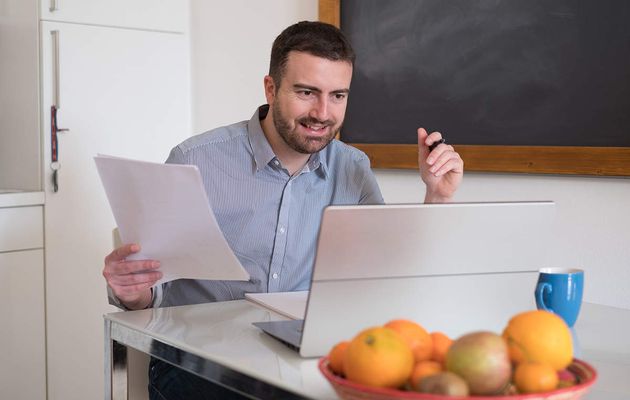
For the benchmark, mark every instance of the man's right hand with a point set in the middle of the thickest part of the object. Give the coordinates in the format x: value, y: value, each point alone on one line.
x: 131, y: 281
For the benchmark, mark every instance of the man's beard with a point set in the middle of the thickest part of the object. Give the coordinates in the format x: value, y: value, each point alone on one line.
x: 304, y: 145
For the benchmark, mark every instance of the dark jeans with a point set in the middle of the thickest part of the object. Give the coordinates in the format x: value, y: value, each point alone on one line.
x: 167, y: 382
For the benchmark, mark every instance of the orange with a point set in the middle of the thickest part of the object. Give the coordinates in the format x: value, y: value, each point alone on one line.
x: 335, y: 357
x: 415, y: 335
x: 441, y: 343
x: 531, y: 377
x: 378, y: 357
x: 423, y: 369
x: 539, y: 336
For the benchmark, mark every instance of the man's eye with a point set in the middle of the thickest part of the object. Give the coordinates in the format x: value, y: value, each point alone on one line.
x: 306, y: 93
x: 339, y: 97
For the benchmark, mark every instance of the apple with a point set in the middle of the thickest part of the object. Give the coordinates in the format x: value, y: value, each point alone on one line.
x: 482, y: 359
x: 445, y: 383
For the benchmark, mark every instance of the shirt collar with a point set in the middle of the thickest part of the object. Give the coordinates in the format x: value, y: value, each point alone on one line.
x: 317, y: 162
x: 263, y: 153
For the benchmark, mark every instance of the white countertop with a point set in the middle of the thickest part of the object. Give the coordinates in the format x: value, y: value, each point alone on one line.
x: 222, y: 333
x: 18, y: 198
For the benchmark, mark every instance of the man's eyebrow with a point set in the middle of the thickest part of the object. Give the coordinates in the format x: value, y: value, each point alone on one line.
x: 318, y: 90
x: 306, y: 87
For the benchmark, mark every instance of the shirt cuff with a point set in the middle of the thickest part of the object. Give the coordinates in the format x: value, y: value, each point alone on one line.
x: 156, y: 298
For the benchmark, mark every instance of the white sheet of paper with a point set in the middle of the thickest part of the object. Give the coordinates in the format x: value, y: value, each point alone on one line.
x: 289, y: 304
x: 165, y: 209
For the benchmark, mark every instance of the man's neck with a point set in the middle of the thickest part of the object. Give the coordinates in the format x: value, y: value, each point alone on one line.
x: 293, y: 161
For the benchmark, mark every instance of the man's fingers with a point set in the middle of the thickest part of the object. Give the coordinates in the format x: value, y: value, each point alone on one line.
x: 442, y: 154
x: 122, y: 252
x: 437, y: 153
x: 425, y: 140
x: 130, y: 267
x: 452, y: 163
x: 422, y: 135
x: 431, y: 138
x: 131, y: 290
x: 130, y: 280
x: 135, y: 279
x: 423, y: 150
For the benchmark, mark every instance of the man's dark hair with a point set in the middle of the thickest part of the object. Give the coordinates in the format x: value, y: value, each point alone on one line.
x: 316, y: 38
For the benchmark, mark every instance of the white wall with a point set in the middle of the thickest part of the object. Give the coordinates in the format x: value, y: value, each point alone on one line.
x: 593, y: 220
x: 231, y: 42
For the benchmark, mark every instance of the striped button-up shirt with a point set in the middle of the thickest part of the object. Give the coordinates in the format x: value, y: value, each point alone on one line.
x: 269, y: 218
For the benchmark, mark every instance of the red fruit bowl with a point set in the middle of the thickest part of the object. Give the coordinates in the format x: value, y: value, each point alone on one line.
x: 584, y: 373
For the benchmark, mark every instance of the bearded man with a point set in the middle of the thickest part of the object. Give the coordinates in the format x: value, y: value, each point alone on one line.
x: 268, y: 180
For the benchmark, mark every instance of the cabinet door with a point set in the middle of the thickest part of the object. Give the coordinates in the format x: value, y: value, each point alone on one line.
x: 22, y: 333
x: 21, y: 228
x: 161, y: 15
x: 121, y: 92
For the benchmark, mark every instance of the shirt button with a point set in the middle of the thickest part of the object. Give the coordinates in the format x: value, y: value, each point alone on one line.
x: 275, y: 276
x: 276, y: 162
x: 282, y: 229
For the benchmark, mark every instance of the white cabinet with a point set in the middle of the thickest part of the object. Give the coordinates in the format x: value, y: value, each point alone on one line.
x: 21, y: 228
x: 22, y: 331
x: 22, y: 370
x: 20, y: 155
x: 160, y: 15
x: 123, y: 92
x: 118, y: 72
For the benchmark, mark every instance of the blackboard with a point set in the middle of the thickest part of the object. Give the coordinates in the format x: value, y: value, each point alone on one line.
x: 499, y: 74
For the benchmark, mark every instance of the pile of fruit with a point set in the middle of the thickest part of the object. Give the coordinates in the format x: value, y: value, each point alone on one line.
x: 531, y: 356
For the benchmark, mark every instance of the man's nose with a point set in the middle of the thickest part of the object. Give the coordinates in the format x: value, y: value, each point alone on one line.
x: 319, y: 110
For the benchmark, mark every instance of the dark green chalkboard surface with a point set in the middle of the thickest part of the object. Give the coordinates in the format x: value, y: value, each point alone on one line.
x: 507, y: 78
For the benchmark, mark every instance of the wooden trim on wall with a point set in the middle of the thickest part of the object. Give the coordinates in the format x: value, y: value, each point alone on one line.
x: 571, y: 160
x: 329, y: 12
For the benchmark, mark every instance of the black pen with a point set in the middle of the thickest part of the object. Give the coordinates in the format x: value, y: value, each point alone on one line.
x: 436, y: 144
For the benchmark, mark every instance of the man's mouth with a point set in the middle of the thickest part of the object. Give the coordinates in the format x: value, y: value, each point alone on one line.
x: 315, y: 128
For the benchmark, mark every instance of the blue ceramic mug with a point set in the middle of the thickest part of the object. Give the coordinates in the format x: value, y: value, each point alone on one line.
x: 559, y: 290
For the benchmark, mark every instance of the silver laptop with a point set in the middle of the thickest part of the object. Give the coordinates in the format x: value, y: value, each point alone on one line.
x: 453, y: 268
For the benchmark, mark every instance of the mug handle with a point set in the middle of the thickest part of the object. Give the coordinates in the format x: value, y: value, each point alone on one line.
x: 541, y: 288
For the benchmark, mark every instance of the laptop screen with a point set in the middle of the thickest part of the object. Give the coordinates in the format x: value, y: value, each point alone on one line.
x: 450, y: 267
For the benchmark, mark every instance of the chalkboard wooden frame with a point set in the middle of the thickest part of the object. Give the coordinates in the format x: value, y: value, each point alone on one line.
x: 569, y: 160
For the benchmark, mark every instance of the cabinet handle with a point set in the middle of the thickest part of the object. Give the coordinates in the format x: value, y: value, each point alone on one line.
x: 55, y: 65
x: 53, y: 6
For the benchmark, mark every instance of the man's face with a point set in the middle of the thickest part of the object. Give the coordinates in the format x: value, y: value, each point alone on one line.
x: 309, y: 106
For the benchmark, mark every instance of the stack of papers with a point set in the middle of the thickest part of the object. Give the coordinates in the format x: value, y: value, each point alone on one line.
x: 165, y: 209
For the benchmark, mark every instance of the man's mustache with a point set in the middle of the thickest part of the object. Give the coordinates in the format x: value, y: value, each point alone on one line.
x: 315, y: 121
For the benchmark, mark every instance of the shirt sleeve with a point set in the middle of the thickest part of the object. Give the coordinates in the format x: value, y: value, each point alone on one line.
x: 176, y: 156
x: 370, y: 191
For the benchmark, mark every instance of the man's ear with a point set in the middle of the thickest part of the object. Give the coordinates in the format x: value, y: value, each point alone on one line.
x: 270, y: 89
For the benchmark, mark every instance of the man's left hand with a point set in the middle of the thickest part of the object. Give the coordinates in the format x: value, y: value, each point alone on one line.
x: 441, y: 170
